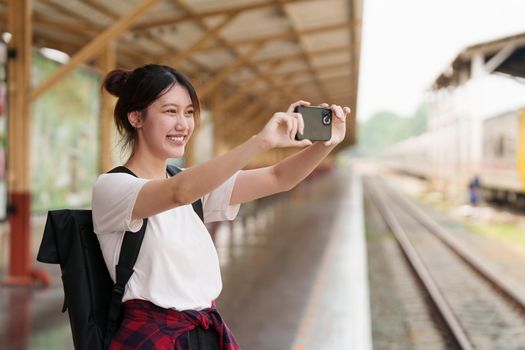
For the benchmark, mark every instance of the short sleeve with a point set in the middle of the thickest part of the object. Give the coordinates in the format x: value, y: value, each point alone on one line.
x: 216, y: 204
x: 113, y: 199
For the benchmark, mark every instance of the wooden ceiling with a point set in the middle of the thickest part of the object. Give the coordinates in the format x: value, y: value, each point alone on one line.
x: 247, y: 58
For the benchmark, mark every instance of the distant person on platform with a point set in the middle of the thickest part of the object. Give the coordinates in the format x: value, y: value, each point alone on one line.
x: 169, y: 302
x: 474, y: 191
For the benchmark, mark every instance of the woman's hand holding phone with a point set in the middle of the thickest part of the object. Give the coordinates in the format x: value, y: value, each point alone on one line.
x: 338, y: 123
x: 281, y: 129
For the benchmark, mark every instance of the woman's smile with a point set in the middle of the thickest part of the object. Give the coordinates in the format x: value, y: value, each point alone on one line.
x: 178, y: 140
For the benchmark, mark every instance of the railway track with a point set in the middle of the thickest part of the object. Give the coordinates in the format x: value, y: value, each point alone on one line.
x: 479, y: 309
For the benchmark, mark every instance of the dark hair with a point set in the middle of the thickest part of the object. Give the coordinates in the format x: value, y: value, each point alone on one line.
x: 138, y: 89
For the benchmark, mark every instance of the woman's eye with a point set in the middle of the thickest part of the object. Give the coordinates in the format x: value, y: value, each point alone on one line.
x: 172, y: 111
x: 189, y: 113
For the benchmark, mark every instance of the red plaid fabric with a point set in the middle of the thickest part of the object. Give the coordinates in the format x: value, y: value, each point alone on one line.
x: 147, y: 326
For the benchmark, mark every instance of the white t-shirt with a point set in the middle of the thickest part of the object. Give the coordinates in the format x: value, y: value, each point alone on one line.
x: 177, y: 266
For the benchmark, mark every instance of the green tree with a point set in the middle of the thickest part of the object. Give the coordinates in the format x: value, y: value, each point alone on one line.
x: 64, y: 138
x: 386, y: 128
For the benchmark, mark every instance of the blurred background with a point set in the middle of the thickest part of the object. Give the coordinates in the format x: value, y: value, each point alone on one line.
x: 435, y: 143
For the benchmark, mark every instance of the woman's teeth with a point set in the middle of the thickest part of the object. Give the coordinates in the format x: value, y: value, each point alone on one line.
x: 176, y: 138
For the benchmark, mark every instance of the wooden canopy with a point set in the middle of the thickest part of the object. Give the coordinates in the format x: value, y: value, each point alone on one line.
x: 504, y: 55
x: 247, y: 58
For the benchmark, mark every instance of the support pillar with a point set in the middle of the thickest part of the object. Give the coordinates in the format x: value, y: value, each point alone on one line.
x: 19, y: 67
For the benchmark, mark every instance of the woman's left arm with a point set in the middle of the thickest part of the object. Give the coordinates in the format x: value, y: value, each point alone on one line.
x: 283, y: 176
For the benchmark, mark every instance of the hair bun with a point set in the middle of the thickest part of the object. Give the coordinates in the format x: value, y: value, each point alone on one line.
x: 115, y: 81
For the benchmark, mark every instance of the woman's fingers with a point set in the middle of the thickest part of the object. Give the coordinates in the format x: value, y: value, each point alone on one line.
x: 346, y: 110
x: 300, y: 121
x: 304, y: 143
x: 338, y: 111
x: 296, y: 104
x: 295, y: 124
x: 289, y: 124
x: 282, y: 129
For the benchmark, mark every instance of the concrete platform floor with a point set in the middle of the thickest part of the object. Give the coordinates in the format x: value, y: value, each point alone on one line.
x: 294, y: 273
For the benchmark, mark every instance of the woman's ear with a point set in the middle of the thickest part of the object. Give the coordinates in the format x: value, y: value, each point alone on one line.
x: 135, y: 119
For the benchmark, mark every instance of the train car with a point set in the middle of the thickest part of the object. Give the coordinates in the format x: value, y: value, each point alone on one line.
x: 411, y: 156
x: 502, y: 173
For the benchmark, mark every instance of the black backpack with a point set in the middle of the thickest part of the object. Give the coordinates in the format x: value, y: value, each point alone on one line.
x: 92, y: 300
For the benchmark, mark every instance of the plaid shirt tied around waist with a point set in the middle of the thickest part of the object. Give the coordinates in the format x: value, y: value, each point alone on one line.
x: 147, y: 326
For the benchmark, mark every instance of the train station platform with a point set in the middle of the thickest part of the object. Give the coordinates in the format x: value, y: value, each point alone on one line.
x: 294, y: 270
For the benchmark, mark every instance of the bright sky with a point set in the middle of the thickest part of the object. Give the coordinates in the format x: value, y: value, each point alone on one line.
x: 407, y: 43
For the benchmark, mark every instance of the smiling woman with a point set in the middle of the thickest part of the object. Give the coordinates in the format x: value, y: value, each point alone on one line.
x: 176, y: 277
x: 167, y: 91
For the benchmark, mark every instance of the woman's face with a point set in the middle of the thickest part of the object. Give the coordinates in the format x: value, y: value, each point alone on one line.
x: 169, y: 124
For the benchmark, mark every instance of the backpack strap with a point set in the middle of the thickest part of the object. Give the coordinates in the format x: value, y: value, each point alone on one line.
x: 197, y: 205
x: 128, y: 256
x: 129, y: 253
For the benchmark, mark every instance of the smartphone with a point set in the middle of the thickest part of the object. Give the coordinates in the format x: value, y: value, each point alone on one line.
x: 317, y: 123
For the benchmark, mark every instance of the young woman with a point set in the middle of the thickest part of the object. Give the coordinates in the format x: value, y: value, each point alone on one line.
x: 169, y: 300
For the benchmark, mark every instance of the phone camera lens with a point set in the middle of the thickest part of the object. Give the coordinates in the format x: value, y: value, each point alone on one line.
x: 327, y: 117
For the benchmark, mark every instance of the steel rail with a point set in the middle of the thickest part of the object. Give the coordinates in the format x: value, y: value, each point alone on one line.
x: 503, y: 286
x: 437, y: 297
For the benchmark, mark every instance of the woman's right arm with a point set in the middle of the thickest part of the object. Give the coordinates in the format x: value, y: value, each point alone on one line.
x: 160, y: 195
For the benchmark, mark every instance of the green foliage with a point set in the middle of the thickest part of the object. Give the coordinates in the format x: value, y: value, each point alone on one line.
x: 386, y: 128
x: 509, y: 232
x: 64, y: 138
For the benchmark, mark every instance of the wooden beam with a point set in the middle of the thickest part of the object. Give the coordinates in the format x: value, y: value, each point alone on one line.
x: 314, y: 53
x: 259, y: 119
x: 295, y: 84
x: 102, y: 8
x: 254, y: 105
x: 85, y: 34
x: 225, y: 73
x: 288, y: 35
x: 213, y: 33
x: 232, y: 100
x: 46, y: 39
x: 322, y: 68
x: 304, y: 49
x: 179, y: 58
x: 65, y: 11
x: 94, y: 47
x: 245, y: 114
x: 261, y: 95
x: 233, y: 124
x: 255, y: 68
x: 171, y: 20
x: 63, y: 26
x: 88, y: 32
x: 235, y: 50
x: 106, y: 62
x: 157, y: 41
x: 114, y: 16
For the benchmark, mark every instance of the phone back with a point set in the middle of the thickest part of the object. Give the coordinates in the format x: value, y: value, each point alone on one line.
x: 317, y: 123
